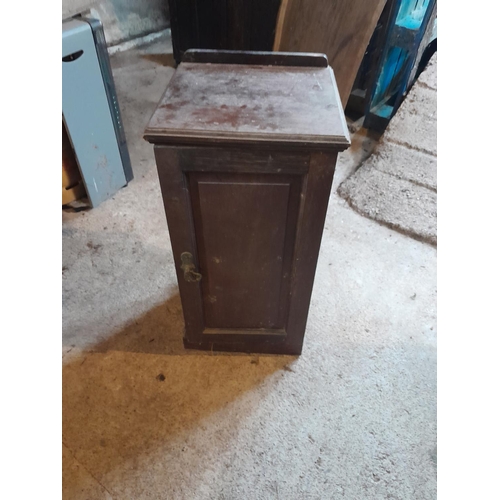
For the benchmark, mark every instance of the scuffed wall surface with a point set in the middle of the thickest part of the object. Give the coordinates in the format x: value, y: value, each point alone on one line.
x: 123, y: 19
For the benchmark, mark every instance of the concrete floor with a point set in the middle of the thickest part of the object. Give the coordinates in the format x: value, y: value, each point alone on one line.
x: 354, y: 417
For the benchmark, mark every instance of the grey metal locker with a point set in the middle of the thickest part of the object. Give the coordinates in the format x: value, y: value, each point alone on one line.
x: 90, y: 111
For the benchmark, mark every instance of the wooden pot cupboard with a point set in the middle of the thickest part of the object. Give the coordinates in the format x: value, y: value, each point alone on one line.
x: 246, y: 145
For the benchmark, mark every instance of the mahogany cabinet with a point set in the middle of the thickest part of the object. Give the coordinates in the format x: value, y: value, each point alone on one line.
x: 246, y: 145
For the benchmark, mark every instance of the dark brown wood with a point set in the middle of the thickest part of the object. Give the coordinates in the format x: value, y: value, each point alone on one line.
x: 177, y: 203
x: 304, y: 59
x: 242, y: 161
x: 205, y: 104
x: 222, y: 24
x: 245, y: 229
x: 251, y: 219
x: 315, y: 195
x: 293, y: 144
x: 184, y: 26
x: 239, y: 13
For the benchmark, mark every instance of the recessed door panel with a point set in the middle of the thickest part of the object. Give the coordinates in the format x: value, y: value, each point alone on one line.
x: 245, y: 231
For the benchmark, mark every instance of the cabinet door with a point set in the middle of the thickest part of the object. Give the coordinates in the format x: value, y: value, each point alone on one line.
x: 237, y: 218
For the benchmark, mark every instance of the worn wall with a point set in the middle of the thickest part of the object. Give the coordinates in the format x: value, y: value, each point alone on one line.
x: 123, y: 19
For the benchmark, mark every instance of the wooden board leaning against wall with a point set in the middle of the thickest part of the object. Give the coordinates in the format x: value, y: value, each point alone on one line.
x: 341, y: 29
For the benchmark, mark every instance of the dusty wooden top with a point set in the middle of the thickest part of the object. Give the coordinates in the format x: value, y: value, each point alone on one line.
x: 208, y: 103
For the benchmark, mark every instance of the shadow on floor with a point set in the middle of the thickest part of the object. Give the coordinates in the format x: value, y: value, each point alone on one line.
x: 161, y: 59
x: 135, y: 399
x: 159, y: 331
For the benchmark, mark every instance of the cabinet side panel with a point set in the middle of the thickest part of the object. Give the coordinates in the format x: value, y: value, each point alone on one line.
x: 315, y: 197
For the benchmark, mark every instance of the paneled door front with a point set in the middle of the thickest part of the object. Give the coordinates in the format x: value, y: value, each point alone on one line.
x: 234, y: 218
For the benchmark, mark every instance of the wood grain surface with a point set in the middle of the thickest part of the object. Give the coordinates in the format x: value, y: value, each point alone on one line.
x: 341, y: 29
x: 236, y: 103
x: 245, y: 231
x: 310, y: 59
x: 250, y: 217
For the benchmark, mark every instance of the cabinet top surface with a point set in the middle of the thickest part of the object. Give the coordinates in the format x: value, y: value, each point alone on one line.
x: 235, y: 103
